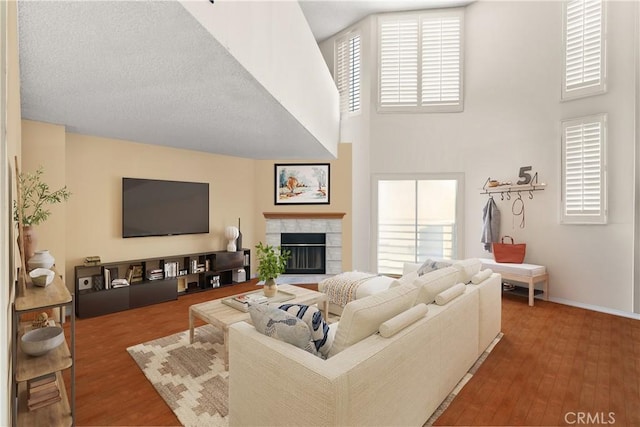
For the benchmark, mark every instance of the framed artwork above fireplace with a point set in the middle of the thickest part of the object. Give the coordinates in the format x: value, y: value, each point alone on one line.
x: 302, y: 183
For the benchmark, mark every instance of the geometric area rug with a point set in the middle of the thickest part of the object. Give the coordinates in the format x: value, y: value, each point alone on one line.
x: 189, y: 377
x: 192, y: 380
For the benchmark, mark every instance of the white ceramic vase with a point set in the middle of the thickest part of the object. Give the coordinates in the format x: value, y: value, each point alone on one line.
x: 41, y: 259
x: 231, y: 234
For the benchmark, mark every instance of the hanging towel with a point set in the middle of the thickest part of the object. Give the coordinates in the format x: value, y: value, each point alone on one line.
x: 490, y: 224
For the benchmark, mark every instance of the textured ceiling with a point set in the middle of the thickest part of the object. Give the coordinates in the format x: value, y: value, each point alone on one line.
x: 147, y: 71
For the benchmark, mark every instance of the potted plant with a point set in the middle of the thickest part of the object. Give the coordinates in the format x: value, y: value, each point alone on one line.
x: 271, y: 263
x: 36, y: 197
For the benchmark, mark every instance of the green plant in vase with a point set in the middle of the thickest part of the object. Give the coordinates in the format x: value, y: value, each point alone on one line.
x: 36, y: 198
x: 272, y: 262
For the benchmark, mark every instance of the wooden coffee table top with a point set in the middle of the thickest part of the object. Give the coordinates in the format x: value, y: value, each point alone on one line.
x: 223, y: 315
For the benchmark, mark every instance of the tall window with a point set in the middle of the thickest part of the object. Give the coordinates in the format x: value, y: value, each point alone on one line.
x: 584, y: 48
x: 348, y: 72
x: 417, y: 217
x: 584, y: 170
x: 421, y: 62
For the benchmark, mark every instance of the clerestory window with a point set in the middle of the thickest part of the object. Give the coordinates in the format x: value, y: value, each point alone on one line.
x: 421, y: 61
x: 347, y: 73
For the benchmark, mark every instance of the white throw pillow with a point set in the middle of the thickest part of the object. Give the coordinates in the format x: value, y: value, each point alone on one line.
x: 362, y: 318
x: 431, y: 284
x: 453, y: 292
x: 402, y: 320
x: 467, y: 268
x: 481, y: 276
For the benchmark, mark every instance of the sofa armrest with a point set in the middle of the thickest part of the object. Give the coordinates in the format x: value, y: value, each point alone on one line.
x: 490, y: 321
x: 269, y: 378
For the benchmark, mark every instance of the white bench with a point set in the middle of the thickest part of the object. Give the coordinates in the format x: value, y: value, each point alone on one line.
x: 525, y: 273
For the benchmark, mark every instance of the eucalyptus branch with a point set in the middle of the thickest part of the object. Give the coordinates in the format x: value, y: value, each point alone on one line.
x: 36, y: 195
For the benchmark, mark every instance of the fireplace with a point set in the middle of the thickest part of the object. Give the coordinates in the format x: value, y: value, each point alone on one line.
x: 308, y: 252
x: 328, y: 223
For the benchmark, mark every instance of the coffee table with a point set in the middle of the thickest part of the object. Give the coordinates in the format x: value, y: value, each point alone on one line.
x: 221, y: 315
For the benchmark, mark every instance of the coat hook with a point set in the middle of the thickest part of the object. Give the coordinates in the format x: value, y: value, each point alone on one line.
x: 530, y: 194
x: 509, y: 195
x: 501, y: 195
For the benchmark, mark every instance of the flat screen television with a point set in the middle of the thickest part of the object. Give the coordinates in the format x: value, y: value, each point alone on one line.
x: 152, y: 207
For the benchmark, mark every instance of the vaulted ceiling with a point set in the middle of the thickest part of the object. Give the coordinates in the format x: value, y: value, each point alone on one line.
x: 146, y: 71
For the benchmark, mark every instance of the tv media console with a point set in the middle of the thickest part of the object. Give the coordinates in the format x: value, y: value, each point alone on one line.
x: 155, y: 280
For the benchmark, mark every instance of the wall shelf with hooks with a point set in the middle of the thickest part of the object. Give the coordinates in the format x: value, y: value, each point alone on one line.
x: 507, y: 190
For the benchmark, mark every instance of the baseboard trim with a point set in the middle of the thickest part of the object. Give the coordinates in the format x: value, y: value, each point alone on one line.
x: 596, y: 308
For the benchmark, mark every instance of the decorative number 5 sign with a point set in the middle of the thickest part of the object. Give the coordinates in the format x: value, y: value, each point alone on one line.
x: 525, y: 175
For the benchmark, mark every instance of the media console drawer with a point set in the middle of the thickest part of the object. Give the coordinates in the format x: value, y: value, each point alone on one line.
x: 228, y: 260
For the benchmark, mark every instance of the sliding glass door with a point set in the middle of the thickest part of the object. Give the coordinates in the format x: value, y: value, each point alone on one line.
x: 416, y: 217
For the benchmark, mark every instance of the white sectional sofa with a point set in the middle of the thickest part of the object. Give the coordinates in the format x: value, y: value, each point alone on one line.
x: 396, y: 380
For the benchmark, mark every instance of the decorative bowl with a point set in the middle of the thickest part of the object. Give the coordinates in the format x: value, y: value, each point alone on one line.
x: 41, y: 276
x: 40, y: 341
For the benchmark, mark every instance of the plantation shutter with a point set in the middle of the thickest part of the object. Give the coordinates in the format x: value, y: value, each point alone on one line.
x: 347, y: 75
x: 584, y: 48
x: 354, y: 73
x: 441, y: 60
x: 421, y: 63
x: 584, y: 170
x: 399, y: 62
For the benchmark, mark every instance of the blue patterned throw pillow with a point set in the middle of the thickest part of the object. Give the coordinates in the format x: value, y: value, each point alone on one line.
x: 312, y: 316
x: 281, y: 325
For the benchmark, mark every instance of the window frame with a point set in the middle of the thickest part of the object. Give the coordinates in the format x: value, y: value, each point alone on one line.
x: 585, y: 90
x: 601, y: 217
x: 459, y: 249
x: 420, y: 17
x: 345, y: 102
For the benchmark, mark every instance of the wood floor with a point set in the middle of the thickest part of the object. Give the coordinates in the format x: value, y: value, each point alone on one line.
x: 553, y: 362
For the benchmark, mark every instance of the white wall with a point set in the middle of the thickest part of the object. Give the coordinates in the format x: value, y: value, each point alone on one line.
x: 284, y: 58
x: 513, y: 57
x: 354, y: 130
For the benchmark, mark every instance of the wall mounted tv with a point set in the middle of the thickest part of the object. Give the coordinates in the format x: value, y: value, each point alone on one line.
x: 152, y: 207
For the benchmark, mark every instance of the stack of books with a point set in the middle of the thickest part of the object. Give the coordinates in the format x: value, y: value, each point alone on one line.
x: 42, y: 392
x: 171, y: 269
x: 155, y: 274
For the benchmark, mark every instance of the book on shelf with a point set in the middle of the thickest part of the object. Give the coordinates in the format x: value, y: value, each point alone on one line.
x: 41, y: 381
x: 137, y: 273
x: 155, y: 274
x: 42, y: 392
x: 44, y: 403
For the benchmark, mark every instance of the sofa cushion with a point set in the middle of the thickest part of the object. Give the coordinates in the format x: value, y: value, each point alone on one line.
x: 467, y: 268
x: 281, y: 325
x: 402, y: 320
x: 431, y: 284
x: 312, y: 316
x: 453, y: 292
x: 362, y: 318
x: 406, y: 279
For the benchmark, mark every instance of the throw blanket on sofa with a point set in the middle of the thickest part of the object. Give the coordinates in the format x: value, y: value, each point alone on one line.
x: 341, y: 288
